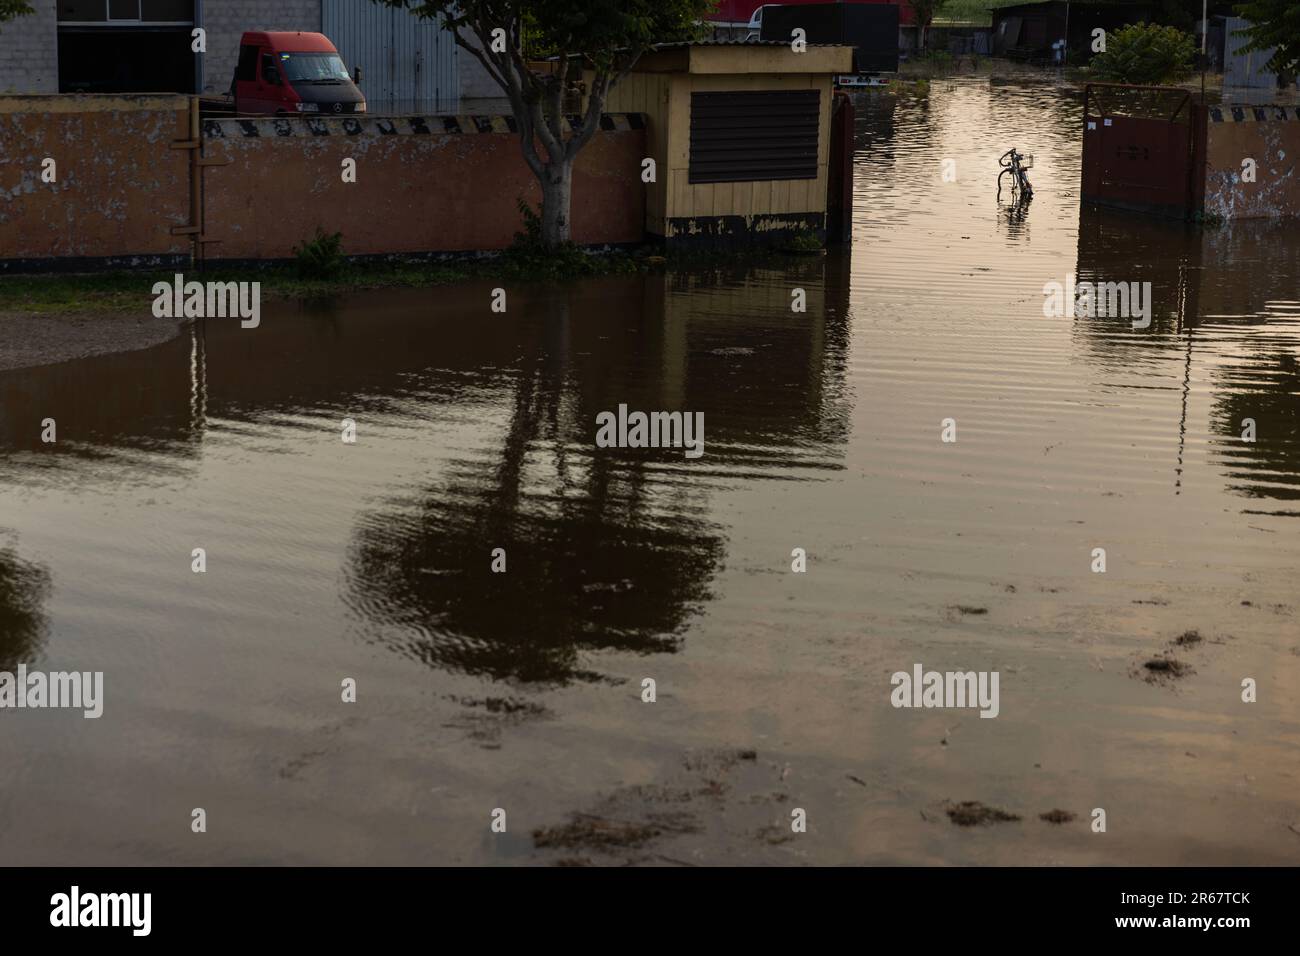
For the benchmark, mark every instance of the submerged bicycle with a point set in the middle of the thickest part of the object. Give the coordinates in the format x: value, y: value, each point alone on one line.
x: 1015, y: 164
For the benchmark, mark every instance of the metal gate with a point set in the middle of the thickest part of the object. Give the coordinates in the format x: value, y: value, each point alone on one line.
x: 1141, y: 147
x: 408, y: 64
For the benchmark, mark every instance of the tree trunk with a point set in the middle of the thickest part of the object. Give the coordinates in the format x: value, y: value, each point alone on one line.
x: 557, y: 192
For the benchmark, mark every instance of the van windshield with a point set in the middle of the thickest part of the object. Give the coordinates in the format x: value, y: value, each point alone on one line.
x: 313, y: 67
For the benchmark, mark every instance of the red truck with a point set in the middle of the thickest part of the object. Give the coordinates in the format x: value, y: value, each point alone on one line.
x: 294, y: 73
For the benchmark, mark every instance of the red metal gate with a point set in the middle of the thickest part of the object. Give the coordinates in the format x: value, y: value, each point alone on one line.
x: 1141, y: 154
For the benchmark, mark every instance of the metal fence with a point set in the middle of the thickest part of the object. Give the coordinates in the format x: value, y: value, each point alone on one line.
x: 409, y: 65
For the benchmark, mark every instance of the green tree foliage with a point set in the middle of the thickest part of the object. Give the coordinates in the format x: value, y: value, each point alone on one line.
x: 1145, y: 53
x: 1274, y: 23
x: 9, y: 9
x: 606, y: 37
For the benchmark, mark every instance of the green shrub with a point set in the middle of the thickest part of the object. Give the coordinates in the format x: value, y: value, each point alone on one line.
x: 528, y: 257
x: 1147, y: 54
x: 320, y: 257
x: 802, y: 241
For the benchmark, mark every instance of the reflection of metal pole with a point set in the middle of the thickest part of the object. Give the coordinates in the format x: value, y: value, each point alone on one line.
x: 1205, y: 37
x: 198, y: 379
x: 1182, y: 420
x: 1065, y: 54
x: 1187, y: 374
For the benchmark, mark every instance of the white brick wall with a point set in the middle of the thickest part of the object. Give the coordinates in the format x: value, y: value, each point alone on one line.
x: 29, y: 51
x: 226, y: 21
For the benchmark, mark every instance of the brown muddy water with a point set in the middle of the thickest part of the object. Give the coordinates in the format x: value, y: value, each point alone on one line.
x: 522, y: 691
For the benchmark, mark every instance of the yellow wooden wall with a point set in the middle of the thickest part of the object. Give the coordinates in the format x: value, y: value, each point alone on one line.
x: 687, y: 200
x: 648, y: 93
x: 665, y: 98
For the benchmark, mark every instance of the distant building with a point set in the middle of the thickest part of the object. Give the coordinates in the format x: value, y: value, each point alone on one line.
x: 1241, y: 68
x: 1027, y: 30
x: 144, y: 46
x: 733, y: 19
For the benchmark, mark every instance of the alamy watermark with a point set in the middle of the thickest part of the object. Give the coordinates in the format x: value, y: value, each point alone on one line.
x: 651, y: 430
x: 923, y: 688
x: 209, y: 300
x: 1098, y: 300
x: 74, y: 909
x: 58, y: 689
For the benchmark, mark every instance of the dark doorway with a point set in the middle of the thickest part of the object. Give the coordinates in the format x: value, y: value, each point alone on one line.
x: 125, y: 60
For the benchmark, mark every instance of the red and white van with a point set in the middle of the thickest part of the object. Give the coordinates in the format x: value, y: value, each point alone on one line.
x: 294, y: 73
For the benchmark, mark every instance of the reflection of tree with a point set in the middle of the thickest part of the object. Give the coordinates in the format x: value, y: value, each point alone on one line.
x: 606, y: 548
x: 1268, y: 392
x: 608, y: 563
x: 24, y: 588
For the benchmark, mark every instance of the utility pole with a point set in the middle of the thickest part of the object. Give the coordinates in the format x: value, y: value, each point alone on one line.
x: 1205, y: 37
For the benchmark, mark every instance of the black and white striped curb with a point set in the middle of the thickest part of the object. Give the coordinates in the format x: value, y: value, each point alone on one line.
x: 1254, y: 114
x: 396, y: 125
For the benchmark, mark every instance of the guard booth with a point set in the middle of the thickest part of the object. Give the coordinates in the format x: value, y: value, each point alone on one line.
x: 741, y: 138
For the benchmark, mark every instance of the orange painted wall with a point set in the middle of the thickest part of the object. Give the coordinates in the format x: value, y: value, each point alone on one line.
x: 1274, y: 145
x: 119, y: 188
x: 435, y: 192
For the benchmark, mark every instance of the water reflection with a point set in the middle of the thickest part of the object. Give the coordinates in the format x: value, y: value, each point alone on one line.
x: 822, y: 428
x: 607, y: 548
x: 1234, y: 333
x: 24, y: 589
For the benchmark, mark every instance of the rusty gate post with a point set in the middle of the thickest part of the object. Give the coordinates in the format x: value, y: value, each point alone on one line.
x: 839, y: 173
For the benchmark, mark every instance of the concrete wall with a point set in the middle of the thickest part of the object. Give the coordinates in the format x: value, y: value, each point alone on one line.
x: 435, y: 185
x: 1270, y: 135
x: 441, y: 184
x: 29, y: 51
x: 119, y: 187
x: 226, y: 21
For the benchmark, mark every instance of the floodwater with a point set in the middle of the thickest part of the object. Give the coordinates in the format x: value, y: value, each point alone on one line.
x: 522, y: 691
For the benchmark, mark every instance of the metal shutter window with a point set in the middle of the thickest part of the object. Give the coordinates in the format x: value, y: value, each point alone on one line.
x: 745, y: 137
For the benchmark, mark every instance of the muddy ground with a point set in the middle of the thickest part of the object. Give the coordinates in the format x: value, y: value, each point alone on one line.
x: 30, y: 339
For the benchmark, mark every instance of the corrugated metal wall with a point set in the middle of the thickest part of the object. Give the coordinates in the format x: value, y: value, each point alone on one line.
x: 1241, y: 68
x: 408, y: 65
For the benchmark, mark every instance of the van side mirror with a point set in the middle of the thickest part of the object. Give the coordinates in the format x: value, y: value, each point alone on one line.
x: 272, y: 76
x: 356, y: 75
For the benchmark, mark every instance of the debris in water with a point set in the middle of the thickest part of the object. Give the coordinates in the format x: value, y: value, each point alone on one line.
x: 588, y: 830
x: 1057, y: 816
x: 971, y: 813
x: 1165, y: 669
